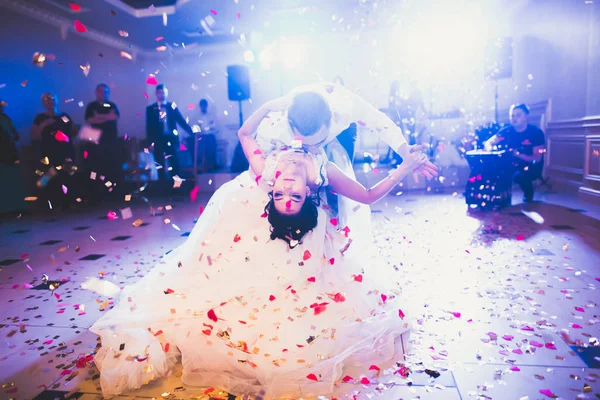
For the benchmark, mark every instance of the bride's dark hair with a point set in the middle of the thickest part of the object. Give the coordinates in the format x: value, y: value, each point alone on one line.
x: 292, y: 228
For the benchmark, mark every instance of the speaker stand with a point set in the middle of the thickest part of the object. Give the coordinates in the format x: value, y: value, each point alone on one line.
x: 495, y: 100
x: 242, y: 116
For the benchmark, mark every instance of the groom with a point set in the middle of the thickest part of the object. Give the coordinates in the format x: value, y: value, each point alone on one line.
x: 327, y: 115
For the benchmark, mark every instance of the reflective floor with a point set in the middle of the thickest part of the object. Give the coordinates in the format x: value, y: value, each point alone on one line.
x: 504, y: 303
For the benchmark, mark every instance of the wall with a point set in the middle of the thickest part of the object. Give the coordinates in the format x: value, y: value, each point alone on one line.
x: 24, y: 36
x: 573, y: 135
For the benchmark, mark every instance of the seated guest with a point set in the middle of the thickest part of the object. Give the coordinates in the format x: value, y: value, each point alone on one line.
x: 8, y: 137
x: 527, y: 144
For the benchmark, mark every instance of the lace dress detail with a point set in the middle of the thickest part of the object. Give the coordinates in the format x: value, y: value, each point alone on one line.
x: 272, y: 160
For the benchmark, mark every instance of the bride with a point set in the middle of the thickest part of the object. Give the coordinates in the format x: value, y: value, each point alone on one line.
x: 270, y: 293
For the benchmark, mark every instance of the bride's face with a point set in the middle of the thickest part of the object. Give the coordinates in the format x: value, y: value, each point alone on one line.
x: 290, y: 191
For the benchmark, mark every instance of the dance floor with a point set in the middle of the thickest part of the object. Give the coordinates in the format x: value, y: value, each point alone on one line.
x: 505, y: 303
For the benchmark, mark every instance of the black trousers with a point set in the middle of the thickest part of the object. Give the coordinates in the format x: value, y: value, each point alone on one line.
x: 347, y: 138
x: 165, y: 154
x: 525, y: 175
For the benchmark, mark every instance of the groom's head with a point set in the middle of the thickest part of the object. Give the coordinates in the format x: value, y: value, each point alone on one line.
x: 310, y: 117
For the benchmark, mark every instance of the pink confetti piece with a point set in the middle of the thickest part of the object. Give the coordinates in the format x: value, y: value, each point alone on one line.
x: 401, y: 314
x: 64, y: 189
x: 576, y: 326
x: 112, y: 216
x: 151, y: 80
x: 312, y: 377
x: 580, y: 309
x: 527, y: 328
x: 508, y: 337
x: 213, y: 12
x: 520, y: 237
x: 361, y: 123
x: 515, y: 368
x: 518, y: 351
x: 61, y: 137
x: 48, y: 341
x: 238, y: 15
x: 536, y: 344
x: 550, y: 346
x: 547, y: 392
x: 24, y: 255
x: 28, y: 267
x: 85, y: 154
x: 145, y: 95
x: 365, y: 381
x: 79, y: 27
x: 456, y: 314
x: 212, y: 315
x: 75, y: 7
x: 194, y: 193
x: 182, y: 147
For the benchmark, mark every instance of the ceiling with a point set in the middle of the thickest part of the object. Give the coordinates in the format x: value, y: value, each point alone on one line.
x: 145, y: 25
x: 163, y: 26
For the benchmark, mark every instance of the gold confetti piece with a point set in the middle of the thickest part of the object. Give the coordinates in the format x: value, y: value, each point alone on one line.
x: 587, y: 388
x: 126, y: 55
x: 39, y: 59
x: 86, y: 69
x: 137, y: 223
x: 24, y: 83
x: 31, y: 198
x: 127, y: 197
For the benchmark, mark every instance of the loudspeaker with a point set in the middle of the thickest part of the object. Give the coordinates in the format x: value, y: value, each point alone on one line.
x: 498, y: 58
x: 238, y: 82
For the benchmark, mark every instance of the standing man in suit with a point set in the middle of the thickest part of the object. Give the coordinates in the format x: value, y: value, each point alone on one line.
x: 162, y: 119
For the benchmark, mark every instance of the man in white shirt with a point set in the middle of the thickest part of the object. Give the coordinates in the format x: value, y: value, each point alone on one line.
x: 316, y: 114
x: 306, y: 117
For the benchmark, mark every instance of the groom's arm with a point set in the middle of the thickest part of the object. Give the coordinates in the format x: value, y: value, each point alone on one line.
x: 370, y: 118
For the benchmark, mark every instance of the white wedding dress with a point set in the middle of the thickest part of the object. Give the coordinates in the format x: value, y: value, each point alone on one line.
x: 243, y: 313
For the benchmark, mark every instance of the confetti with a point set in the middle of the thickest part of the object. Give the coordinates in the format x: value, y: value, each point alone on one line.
x: 151, y: 80
x: 61, y: 137
x: 123, y: 33
x: 212, y: 316
x: 194, y: 193
x: 39, y: 60
x: 312, y: 377
x: 79, y: 27
x: 75, y: 7
x: 86, y: 69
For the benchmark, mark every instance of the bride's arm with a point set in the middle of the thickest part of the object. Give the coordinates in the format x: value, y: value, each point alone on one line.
x: 348, y: 187
x: 252, y: 151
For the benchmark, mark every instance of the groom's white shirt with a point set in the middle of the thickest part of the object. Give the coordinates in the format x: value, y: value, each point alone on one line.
x: 346, y: 107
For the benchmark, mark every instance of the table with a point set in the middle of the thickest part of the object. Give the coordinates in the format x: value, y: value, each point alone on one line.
x: 490, y: 180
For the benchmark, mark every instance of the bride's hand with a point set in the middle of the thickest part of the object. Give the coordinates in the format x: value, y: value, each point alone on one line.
x: 279, y: 104
x: 414, y: 160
